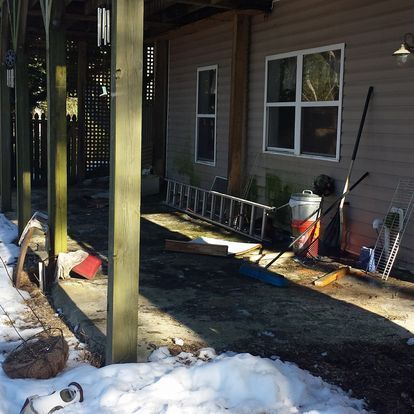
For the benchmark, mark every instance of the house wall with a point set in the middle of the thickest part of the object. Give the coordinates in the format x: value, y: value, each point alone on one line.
x: 371, y: 31
x: 187, y: 53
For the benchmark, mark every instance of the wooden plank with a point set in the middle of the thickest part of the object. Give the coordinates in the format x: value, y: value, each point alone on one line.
x: 81, y: 85
x: 17, y: 273
x: 23, y: 141
x: 125, y: 184
x: 36, y: 149
x: 43, y: 148
x: 238, y: 103
x: 196, y: 248
x: 56, y: 132
x: 332, y: 276
x: 5, y: 127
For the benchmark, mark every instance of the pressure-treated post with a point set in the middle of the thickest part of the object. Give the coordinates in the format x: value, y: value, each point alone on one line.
x: 125, y: 180
x: 18, y: 18
x: 23, y: 140
x: 5, y: 130
x: 238, y: 103
x: 56, y: 131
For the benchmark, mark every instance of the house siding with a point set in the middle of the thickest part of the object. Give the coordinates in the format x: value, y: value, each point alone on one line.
x: 371, y: 31
x: 187, y: 53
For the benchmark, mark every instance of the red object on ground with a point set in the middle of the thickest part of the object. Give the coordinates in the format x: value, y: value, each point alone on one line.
x: 301, y: 247
x: 88, y: 267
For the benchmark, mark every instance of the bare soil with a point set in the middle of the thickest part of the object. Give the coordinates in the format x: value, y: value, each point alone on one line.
x: 352, y: 333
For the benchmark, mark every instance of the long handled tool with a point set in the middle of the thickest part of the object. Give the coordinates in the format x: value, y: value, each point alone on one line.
x: 335, y: 229
x: 258, y: 272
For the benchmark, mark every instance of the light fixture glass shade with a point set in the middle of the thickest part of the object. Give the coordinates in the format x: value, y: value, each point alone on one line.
x: 402, y: 51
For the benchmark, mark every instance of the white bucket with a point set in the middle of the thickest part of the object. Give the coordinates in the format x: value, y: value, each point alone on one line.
x: 305, y: 205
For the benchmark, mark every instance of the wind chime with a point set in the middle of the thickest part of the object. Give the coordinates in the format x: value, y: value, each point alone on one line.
x: 10, y: 62
x: 104, y: 26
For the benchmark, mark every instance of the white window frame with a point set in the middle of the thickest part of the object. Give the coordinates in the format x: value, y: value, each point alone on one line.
x: 210, y: 163
x: 298, y: 104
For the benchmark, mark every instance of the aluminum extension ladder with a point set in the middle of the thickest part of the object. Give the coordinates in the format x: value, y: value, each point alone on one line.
x: 239, y: 215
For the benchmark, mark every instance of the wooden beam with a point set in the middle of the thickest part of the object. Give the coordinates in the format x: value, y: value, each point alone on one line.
x: 160, y: 107
x: 209, y: 3
x: 81, y: 86
x: 56, y: 131
x: 5, y: 130
x: 125, y: 179
x: 238, y: 103
x: 23, y: 144
x: 332, y: 276
x: 22, y: 114
x: 200, y: 25
x: 72, y: 17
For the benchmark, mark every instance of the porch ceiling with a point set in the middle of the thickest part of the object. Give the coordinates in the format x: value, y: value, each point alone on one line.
x: 161, y: 16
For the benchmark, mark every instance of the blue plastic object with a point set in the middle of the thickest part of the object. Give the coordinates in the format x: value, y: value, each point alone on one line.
x: 264, y: 275
x: 367, y: 259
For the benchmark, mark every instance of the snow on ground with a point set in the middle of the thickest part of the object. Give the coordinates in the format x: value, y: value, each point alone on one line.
x: 207, y: 383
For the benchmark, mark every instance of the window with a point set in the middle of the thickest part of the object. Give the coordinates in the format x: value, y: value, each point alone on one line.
x: 206, y: 115
x: 303, y: 99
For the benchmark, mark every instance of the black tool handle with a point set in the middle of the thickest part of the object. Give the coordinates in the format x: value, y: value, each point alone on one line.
x: 361, y: 125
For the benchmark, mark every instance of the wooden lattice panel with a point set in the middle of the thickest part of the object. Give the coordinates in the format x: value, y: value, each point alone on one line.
x: 97, y: 112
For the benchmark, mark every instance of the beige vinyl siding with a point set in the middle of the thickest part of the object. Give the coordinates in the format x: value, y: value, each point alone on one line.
x: 371, y: 31
x: 187, y: 53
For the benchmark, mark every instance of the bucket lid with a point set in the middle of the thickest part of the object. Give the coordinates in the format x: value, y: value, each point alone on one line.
x: 306, y: 195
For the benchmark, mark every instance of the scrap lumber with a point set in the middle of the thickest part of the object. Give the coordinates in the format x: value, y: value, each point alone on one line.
x: 234, y: 248
x: 332, y: 276
x: 357, y: 272
x: 197, y: 248
x: 17, y: 274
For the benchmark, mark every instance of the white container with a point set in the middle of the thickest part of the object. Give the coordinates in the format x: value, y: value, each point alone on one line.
x: 305, y: 205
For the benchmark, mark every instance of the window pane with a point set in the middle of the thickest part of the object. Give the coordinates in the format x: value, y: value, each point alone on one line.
x: 205, y: 140
x: 281, y: 127
x: 319, y: 130
x: 281, y: 80
x: 207, y: 92
x: 321, y: 76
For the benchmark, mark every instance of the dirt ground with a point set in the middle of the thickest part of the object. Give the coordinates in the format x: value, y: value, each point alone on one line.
x: 352, y: 333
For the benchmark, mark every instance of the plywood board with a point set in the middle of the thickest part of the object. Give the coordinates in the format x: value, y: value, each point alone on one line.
x: 234, y: 248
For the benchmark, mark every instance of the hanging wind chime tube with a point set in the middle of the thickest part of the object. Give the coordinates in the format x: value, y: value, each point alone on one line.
x: 104, y: 26
x: 99, y: 19
x: 10, y: 61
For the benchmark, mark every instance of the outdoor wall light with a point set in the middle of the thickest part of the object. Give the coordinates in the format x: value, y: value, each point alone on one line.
x: 405, y: 49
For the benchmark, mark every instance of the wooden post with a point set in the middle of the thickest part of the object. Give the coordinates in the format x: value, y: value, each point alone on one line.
x: 238, y: 103
x: 22, y: 113
x: 81, y: 84
x: 56, y: 130
x: 5, y: 127
x: 125, y: 180
x: 159, y: 118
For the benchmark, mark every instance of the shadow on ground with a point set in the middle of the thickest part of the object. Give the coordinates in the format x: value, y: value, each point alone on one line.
x: 352, y: 334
